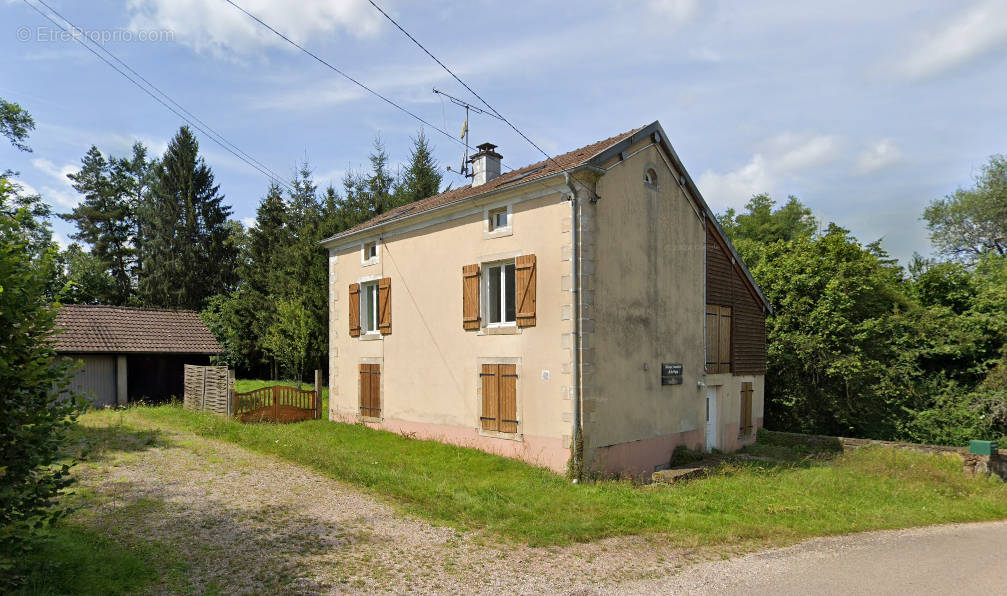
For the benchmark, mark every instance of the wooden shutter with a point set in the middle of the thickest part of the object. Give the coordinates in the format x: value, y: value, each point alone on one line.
x: 489, y: 376
x: 385, y: 305
x: 746, y: 409
x: 712, y: 338
x: 524, y: 282
x: 354, y: 310
x: 724, y: 350
x: 470, y: 297
x: 370, y: 390
x: 507, y: 411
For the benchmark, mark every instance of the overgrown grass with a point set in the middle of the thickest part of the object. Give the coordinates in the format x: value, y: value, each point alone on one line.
x: 72, y: 559
x: 744, y: 503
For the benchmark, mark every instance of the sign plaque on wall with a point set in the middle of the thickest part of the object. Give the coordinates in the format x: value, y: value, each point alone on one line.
x: 671, y: 373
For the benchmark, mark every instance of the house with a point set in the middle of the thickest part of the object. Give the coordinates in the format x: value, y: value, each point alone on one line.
x: 591, y: 295
x: 131, y: 353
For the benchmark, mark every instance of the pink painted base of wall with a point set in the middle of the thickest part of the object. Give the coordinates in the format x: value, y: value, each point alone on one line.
x: 540, y: 451
x: 642, y: 457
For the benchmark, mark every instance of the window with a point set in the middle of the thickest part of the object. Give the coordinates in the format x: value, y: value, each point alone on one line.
x: 650, y: 177
x: 369, y: 307
x: 500, y: 295
x: 370, y: 390
x: 718, y: 338
x: 499, y: 398
x: 745, y: 426
x: 369, y: 253
x: 498, y: 219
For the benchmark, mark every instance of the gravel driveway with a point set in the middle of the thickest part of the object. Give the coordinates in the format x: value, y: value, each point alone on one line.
x: 249, y: 523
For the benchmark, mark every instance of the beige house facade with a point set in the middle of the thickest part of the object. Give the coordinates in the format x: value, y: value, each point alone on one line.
x: 585, y: 311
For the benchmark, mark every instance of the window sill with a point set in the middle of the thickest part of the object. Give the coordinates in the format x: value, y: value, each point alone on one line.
x: 501, y: 233
x: 369, y: 262
x: 492, y: 434
x: 362, y: 418
x: 502, y: 330
x: 370, y: 336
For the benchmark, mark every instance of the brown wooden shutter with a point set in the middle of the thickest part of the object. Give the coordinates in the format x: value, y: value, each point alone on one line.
x: 724, y: 350
x: 370, y: 390
x: 507, y: 410
x: 746, y: 408
x: 712, y: 338
x: 385, y: 305
x: 490, y: 419
x: 524, y: 282
x: 470, y: 297
x: 354, y: 315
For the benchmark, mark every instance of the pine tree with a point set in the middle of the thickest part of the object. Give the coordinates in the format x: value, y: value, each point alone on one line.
x: 381, y: 181
x: 104, y: 221
x: 422, y: 178
x: 132, y: 178
x: 188, y: 253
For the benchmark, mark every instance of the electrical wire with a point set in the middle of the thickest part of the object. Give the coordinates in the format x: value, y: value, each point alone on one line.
x: 77, y: 33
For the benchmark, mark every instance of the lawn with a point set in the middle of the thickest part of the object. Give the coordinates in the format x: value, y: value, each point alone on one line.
x: 743, y: 504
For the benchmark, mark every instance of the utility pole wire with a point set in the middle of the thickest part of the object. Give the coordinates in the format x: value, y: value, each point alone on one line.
x: 77, y: 33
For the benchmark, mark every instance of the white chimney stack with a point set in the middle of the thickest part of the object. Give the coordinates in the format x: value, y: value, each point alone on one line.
x: 485, y: 164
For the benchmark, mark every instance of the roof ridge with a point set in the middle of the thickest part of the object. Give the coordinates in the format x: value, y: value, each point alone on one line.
x: 136, y: 308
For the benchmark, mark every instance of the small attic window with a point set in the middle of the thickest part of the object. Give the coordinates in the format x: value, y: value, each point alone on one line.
x: 650, y: 177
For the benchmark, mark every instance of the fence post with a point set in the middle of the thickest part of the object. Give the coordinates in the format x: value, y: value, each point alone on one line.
x: 318, y: 394
x: 276, y: 403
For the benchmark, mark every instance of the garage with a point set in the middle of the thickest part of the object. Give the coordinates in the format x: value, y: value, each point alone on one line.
x: 126, y: 354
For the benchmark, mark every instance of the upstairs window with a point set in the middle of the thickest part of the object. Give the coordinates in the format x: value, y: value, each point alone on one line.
x: 718, y: 338
x: 498, y: 219
x: 369, y: 307
x: 650, y: 177
x: 369, y: 253
x: 500, y: 294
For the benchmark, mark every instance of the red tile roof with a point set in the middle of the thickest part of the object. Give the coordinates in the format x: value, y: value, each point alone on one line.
x: 528, y: 173
x: 128, y: 330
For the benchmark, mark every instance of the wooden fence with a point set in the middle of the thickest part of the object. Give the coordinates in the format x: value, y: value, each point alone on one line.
x: 209, y: 389
x: 278, y: 403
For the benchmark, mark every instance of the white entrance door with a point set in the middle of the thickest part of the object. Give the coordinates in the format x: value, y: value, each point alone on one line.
x: 711, y: 418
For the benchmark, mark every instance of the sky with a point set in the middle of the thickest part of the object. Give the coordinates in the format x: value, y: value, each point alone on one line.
x: 866, y: 111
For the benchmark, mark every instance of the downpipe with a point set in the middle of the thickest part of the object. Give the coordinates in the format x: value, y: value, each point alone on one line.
x: 576, y: 437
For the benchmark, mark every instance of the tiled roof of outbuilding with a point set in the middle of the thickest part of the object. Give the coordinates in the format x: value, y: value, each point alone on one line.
x: 129, y: 330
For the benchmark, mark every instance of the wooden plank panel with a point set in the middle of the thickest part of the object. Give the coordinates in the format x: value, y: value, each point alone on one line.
x: 712, y: 338
x: 724, y: 340
x: 508, y: 398
x: 470, y: 297
x: 385, y: 305
x: 524, y: 284
x: 489, y: 377
x: 354, y: 305
x: 376, y: 390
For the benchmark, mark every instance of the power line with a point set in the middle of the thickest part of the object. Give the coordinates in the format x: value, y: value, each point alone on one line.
x: 464, y: 84
x: 213, y: 135
x: 340, y: 72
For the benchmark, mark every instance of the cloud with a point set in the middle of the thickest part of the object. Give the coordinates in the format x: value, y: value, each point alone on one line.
x: 248, y: 222
x: 62, y: 194
x: 974, y: 32
x: 780, y: 158
x: 220, y: 29
x: 878, y: 155
x: 676, y: 11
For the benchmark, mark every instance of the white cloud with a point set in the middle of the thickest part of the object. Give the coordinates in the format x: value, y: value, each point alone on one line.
x: 878, y: 155
x: 248, y: 222
x: 975, y: 31
x: 677, y: 11
x: 61, y: 194
x: 221, y: 29
x: 779, y: 159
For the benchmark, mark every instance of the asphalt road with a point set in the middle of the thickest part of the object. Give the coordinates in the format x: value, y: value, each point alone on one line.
x: 944, y: 560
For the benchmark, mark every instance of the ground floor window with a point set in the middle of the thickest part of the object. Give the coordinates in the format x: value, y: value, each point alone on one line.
x: 500, y: 295
x: 499, y: 398
x: 745, y: 428
x: 370, y: 390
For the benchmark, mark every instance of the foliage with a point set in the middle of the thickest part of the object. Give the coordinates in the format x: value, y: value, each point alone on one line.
x: 35, y: 422
x: 972, y: 222
x: 751, y: 504
x: 422, y: 177
x: 188, y: 254
x: 287, y: 338
x: 15, y: 124
x: 85, y: 277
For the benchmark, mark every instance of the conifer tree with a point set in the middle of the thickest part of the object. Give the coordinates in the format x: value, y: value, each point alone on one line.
x: 188, y: 254
x: 422, y: 178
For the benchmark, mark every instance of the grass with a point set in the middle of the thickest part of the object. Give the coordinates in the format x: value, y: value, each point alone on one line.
x: 740, y: 503
x: 73, y: 559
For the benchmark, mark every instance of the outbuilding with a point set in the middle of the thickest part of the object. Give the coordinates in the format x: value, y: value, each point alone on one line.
x: 128, y: 354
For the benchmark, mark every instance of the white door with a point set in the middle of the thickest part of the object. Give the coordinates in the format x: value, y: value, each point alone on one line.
x: 711, y: 418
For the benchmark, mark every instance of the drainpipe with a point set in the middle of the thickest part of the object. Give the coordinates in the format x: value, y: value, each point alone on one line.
x: 575, y: 288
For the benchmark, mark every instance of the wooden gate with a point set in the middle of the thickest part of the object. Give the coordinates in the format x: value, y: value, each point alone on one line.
x: 277, y: 403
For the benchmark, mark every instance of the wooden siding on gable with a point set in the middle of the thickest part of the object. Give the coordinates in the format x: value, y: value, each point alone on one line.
x: 726, y: 285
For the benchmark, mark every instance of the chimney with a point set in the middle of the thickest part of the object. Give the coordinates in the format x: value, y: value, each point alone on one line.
x: 485, y: 164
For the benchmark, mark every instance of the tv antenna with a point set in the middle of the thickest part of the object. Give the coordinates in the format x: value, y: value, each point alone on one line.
x: 464, y: 171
